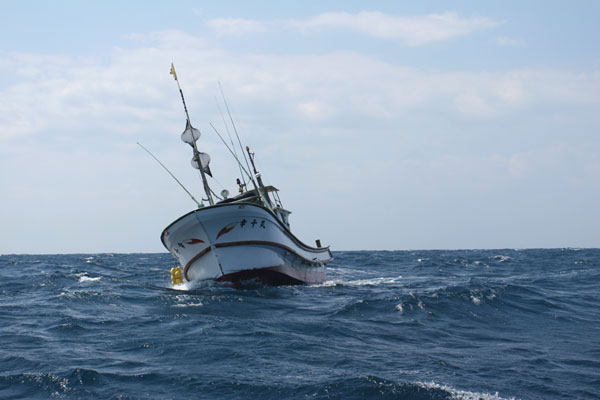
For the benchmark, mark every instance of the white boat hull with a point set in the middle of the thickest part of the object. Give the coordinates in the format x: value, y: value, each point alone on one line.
x: 241, y: 241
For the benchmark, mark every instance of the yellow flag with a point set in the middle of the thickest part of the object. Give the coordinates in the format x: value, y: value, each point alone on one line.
x: 173, y: 71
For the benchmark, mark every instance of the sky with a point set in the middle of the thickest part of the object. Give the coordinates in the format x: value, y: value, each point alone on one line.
x: 386, y: 125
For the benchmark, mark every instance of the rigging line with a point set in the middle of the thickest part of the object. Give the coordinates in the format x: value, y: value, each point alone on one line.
x: 214, y: 194
x: 170, y: 173
x: 230, y: 139
x: 218, y: 183
x: 214, y: 179
x: 232, y: 153
x: 235, y: 130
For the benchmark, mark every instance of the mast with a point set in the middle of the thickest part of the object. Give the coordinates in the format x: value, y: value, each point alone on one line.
x: 192, y: 142
x: 265, y: 195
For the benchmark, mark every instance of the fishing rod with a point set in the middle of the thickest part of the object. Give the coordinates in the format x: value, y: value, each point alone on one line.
x: 264, y: 198
x: 232, y: 153
x: 234, y: 128
x: 230, y: 140
x: 172, y: 176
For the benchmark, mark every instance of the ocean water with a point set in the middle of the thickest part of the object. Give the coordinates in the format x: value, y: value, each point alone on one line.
x: 492, y: 324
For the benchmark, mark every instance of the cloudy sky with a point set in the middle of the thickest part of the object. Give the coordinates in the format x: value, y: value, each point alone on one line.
x: 385, y: 124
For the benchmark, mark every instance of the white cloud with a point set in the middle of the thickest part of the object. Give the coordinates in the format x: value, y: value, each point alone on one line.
x: 315, y: 110
x: 124, y: 93
x: 413, y: 30
x: 343, y: 117
x: 236, y: 26
x: 504, y: 41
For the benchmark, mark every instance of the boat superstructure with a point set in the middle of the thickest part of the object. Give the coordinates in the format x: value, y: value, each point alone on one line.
x: 240, y: 238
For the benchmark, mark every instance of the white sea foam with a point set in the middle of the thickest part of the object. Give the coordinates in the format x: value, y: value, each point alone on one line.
x: 198, y: 304
x: 360, y: 282
x: 182, y: 286
x: 186, y: 300
x: 400, y: 307
x: 86, y: 278
x: 463, y: 394
x: 193, y: 285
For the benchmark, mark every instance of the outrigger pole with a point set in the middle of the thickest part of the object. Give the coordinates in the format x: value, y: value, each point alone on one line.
x: 170, y: 173
x: 193, y: 141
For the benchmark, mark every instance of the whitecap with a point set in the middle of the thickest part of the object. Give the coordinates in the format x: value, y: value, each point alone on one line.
x: 359, y: 282
x: 181, y: 286
x: 462, y: 394
x: 329, y: 283
x: 89, y: 279
x: 373, y: 281
x: 199, y: 304
x: 193, y: 285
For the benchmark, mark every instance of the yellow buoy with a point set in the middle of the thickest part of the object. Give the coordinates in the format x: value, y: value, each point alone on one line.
x: 176, y: 276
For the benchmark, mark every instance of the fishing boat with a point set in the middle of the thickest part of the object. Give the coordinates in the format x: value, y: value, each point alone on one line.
x: 245, y: 237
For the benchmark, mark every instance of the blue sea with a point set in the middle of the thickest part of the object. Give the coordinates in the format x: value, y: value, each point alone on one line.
x: 475, y: 324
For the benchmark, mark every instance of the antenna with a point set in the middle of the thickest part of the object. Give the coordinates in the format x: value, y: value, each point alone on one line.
x: 258, y: 177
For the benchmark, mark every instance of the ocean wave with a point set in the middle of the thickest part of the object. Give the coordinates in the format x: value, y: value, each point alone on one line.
x: 91, y: 383
x: 33, y: 385
x: 463, y: 394
x: 392, y: 280
x: 454, y: 325
x: 89, y: 279
x: 366, y: 387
